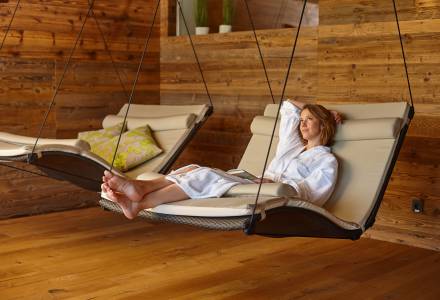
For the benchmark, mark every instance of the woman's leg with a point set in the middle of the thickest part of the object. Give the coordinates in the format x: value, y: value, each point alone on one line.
x: 131, y: 208
x: 134, y: 190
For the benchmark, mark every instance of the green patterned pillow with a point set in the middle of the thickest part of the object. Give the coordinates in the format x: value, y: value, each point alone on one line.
x: 136, y: 147
x: 97, y: 137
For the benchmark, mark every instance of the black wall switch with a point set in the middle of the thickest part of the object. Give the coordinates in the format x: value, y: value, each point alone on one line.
x: 417, y: 205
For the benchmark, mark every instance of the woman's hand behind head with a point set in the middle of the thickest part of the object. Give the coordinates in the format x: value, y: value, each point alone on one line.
x: 337, y: 116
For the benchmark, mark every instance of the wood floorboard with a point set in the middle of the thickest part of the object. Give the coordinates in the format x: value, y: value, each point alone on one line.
x: 93, y: 254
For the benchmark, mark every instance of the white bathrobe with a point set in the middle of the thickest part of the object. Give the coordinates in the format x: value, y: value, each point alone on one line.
x: 312, y: 173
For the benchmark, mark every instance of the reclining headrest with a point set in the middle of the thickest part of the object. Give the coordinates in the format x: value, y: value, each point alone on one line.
x: 156, y: 124
x: 350, y: 130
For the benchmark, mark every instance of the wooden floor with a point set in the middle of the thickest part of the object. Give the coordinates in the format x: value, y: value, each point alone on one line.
x: 93, y: 254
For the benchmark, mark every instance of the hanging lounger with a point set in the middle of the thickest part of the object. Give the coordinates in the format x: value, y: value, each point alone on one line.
x: 173, y: 127
x: 366, y: 145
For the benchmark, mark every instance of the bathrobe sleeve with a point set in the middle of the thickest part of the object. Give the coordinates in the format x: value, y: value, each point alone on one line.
x: 319, y: 185
x: 288, y: 132
x: 289, y: 139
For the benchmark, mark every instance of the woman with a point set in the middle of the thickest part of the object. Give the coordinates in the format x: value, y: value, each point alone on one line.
x: 302, y: 160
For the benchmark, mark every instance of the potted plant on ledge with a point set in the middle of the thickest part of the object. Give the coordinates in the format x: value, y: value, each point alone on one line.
x: 201, y: 17
x: 228, y: 12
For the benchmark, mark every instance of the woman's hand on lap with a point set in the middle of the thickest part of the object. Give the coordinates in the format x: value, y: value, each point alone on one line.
x: 265, y: 180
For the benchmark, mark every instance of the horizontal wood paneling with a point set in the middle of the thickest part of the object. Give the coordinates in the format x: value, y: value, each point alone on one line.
x: 360, y: 60
x: 32, y: 62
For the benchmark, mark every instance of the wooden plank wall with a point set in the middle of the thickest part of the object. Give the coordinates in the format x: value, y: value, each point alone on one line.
x: 353, y: 56
x: 360, y: 60
x: 31, y: 63
x: 237, y: 84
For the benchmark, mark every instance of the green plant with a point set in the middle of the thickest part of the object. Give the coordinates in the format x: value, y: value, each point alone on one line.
x: 228, y: 11
x: 201, y: 13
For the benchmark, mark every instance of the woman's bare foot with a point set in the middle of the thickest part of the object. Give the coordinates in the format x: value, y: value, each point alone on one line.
x: 133, y: 190
x: 130, y: 208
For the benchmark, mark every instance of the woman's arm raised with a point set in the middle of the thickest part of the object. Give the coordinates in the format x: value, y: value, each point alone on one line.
x: 297, y: 103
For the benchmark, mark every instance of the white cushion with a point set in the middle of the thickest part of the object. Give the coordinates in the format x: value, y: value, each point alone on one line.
x: 160, y: 111
x: 21, y: 140
x: 156, y: 124
x: 358, y: 110
x: 349, y: 130
x: 368, y: 129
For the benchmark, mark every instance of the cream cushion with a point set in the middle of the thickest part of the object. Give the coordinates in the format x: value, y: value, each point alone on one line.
x: 349, y: 130
x: 156, y: 124
x: 17, y: 145
x: 14, y: 139
x: 357, y: 110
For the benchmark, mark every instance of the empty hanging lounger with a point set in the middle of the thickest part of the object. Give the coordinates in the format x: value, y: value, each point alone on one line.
x: 173, y: 126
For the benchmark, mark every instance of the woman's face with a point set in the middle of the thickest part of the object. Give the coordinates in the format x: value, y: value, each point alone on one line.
x: 309, y: 126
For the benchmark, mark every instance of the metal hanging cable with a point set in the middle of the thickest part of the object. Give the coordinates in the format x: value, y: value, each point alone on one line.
x: 194, y: 51
x: 107, y: 48
x: 259, y: 50
x: 403, y: 54
x: 66, y: 66
x: 133, y: 88
x: 252, y: 218
x: 10, y: 24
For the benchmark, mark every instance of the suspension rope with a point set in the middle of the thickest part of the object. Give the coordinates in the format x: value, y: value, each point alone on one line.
x: 10, y: 24
x: 195, y: 53
x: 278, y: 113
x: 403, y: 53
x: 259, y: 50
x: 66, y: 66
x: 133, y: 88
x: 107, y: 48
